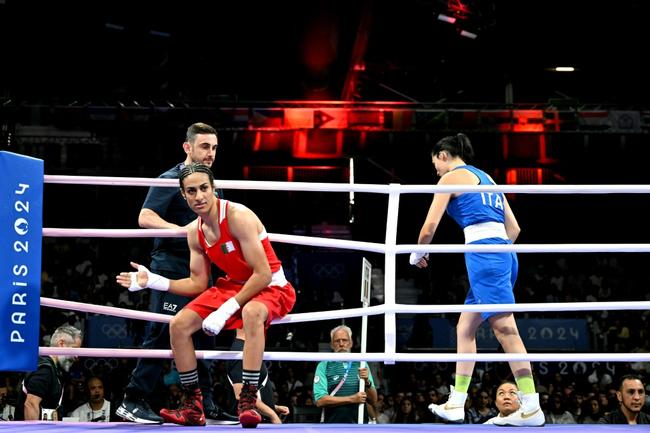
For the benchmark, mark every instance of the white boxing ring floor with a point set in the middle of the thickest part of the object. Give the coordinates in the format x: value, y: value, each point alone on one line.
x: 124, y: 427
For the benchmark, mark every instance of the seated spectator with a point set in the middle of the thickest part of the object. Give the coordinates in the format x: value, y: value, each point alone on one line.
x: 506, y: 400
x: 406, y: 413
x: 482, y: 410
x: 576, y: 403
x: 557, y: 413
x: 98, y: 409
x: 605, y: 405
x: 591, y: 412
x: 439, y: 385
x: 420, y: 407
x: 631, y: 398
x: 385, y: 410
x: 6, y: 410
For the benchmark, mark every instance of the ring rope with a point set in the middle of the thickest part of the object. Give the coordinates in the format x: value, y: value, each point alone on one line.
x: 226, y: 184
x: 179, y: 233
x: 164, y: 318
x: 367, y: 246
x: 368, y: 356
x: 357, y: 187
x: 369, y: 311
x: 114, y: 233
x: 525, y: 248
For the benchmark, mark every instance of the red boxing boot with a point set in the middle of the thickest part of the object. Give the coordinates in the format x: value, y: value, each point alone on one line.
x: 249, y: 417
x: 191, y: 413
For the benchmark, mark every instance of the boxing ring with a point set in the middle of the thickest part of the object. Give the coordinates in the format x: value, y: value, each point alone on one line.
x: 389, y: 308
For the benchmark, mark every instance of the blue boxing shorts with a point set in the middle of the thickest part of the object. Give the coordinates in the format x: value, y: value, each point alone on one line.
x: 491, y: 276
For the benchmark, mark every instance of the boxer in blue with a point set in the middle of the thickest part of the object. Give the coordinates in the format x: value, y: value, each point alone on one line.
x: 486, y: 218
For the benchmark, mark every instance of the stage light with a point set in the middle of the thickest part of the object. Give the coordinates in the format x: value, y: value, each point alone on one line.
x: 446, y: 18
x: 467, y: 34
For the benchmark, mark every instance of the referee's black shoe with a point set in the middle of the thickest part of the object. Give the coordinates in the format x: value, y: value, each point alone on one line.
x: 138, y: 410
x: 219, y: 416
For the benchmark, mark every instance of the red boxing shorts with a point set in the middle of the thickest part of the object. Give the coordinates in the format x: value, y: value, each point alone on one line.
x: 279, y: 301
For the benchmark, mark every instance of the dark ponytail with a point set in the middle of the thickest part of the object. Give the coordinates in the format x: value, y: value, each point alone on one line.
x: 457, y: 145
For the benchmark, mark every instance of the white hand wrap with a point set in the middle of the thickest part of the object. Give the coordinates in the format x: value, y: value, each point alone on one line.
x: 154, y: 281
x: 415, y: 258
x: 217, y: 319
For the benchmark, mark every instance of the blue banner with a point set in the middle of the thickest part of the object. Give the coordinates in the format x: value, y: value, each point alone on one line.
x: 542, y: 334
x: 537, y: 334
x: 21, y: 231
x: 555, y: 334
x: 107, y: 331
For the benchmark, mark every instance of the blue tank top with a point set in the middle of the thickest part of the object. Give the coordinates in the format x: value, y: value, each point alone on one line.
x: 473, y: 207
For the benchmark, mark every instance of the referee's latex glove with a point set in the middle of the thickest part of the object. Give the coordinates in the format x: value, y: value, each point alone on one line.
x: 214, y: 323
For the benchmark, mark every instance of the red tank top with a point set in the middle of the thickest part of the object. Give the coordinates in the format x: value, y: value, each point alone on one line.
x: 226, y: 252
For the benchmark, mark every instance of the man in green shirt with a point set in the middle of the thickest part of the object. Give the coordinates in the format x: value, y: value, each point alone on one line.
x: 336, y: 383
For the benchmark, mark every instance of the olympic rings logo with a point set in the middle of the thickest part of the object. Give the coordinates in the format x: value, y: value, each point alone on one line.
x: 329, y: 270
x: 101, y: 363
x: 114, y: 330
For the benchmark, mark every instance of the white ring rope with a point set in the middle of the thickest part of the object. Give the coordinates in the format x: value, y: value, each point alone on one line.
x: 369, y: 311
x: 105, y: 310
x: 368, y: 357
x: 364, y: 246
x: 525, y: 248
x: 390, y: 308
x: 357, y: 187
x: 226, y: 184
x: 114, y: 233
x: 180, y: 233
x: 164, y: 318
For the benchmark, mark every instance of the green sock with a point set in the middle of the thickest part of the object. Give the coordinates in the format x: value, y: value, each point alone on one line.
x: 462, y: 383
x: 526, y: 384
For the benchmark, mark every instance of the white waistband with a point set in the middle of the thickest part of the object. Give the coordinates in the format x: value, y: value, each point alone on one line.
x: 480, y: 231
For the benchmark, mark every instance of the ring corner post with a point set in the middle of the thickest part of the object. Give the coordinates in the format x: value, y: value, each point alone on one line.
x: 21, y: 229
x: 390, y: 270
